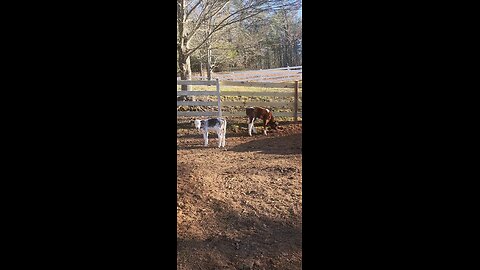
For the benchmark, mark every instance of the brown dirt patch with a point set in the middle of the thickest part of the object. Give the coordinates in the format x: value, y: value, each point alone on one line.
x: 239, y: 208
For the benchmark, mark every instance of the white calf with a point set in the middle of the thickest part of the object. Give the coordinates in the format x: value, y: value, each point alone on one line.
x: 219, y: 125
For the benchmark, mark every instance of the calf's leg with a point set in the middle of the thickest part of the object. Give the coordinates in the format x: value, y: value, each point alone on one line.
x: 205, y: 138
x: 223, y: 139
x: 220, y: 139
x: 253, y: 127
x: 250, y: 126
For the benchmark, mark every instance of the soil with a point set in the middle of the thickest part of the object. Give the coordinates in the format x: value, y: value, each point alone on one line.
x: 239, y: 207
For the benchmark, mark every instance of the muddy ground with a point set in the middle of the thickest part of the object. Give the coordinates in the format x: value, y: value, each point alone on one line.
x: 239, y: 207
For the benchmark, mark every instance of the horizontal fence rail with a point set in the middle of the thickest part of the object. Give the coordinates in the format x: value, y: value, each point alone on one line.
x: 260, y: 84
x: 196, y: 93
x: 208, y: 83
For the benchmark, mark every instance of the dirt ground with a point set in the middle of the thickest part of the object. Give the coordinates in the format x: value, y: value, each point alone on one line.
x: 239, y: 207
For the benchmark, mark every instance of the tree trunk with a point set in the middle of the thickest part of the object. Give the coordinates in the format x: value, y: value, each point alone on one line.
x: 209, y: 62
x: 185, y: 72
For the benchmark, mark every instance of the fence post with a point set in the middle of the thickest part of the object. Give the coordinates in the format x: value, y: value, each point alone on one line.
x: 296, y: 103
x: 219, y: 99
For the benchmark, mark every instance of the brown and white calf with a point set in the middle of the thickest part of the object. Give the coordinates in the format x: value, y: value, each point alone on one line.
x: 266, y: 115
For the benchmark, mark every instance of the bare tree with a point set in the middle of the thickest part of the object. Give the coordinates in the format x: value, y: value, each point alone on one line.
x: 193, y: 15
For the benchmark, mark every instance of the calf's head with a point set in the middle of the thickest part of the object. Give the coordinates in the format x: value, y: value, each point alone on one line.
x: 197, y: 123
x: 273, y: 124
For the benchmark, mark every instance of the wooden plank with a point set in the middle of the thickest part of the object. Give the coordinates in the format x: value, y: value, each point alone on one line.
x: 196, y: 93
x: 212, y: 83
x: 281, y: 81
x: 258, y: 103
x: 196, y: 103
x: 258, y: 84
x: 197, y: 113
x: 258, y: 94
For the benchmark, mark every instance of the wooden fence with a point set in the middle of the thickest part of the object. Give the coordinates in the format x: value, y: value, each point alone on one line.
x: 294, y: 106
x: 191, y: 93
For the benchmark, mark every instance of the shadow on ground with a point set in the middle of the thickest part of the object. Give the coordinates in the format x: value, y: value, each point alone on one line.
x: 280, y: 145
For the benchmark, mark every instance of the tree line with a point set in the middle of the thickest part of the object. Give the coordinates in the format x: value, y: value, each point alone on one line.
x: 227, y: 35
